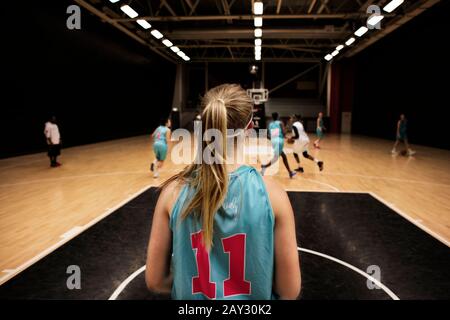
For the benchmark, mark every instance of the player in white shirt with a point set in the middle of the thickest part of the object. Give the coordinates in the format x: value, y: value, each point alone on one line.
x: 51, y: 132
x: 301, y: 143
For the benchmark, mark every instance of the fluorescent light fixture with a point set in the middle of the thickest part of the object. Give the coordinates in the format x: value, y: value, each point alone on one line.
x: 257, y: 49
x: 258, y: 32
x: 391, y: 6
x: 350, y: 41
x: 144, y: 24
x: 328, y: 57
x: 373, y: 20
x: 186, y: 58
x: 114, y: 1
x: 258, y: 21
x: 175, y: 49
x: 167, y: 43
x: 361, y: 31
x: 258, y: 7
x: 335, y: 53
x: 339, y: 47
x: 129, y: 11
x: 258, y: 58
x: 156, y: 34
x: 258, y: 42
x: 181, y: 54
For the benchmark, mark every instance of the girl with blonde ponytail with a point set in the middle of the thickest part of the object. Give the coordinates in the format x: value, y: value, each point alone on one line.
x: 220, y: 230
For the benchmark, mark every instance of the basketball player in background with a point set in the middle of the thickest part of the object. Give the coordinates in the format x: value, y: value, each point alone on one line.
x: 161, y: 136
x: 51, y: 132
x: 220, y: 230
x: 276, y: 134
x: 319, y: 130
x: 402, y: 136
x: 301, y: 143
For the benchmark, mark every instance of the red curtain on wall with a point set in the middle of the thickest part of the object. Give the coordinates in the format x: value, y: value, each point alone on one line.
x: 341, y: 92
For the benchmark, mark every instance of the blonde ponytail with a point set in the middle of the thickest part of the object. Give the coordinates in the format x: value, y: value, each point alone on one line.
x: 224, y: 107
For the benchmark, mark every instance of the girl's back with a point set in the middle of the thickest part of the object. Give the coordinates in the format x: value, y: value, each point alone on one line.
x: 243, y: 244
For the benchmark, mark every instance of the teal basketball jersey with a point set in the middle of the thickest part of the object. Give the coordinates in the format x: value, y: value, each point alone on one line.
x: 402, y: 128
x: 275, y: 129
x: 321, y: 123
x: 160, y: 134
x: 240, y: 263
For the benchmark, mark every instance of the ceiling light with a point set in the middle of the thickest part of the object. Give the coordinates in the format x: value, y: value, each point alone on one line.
x: 175, y: 49
x: 258, y: 32
x: 350, y: 41
x: 373, y: 20
x: 156, y: 34
x: 391, y: 6
x: 167, y: 43
x: 258, y: 22
x: 335, y: 53
x: 339, y: 47
x: 361, y: 31
x: 258, y: 8
x: 144, y: 24
x: 129, y: 11
x: 328, y: 57
x: 258, y: 42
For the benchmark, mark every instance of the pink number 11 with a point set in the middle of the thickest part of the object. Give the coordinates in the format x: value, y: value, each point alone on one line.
x: 236, y: 283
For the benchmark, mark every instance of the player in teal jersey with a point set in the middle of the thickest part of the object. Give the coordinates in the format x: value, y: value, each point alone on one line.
x: 221, y: 230
x: 402, y: 136
x: 276, y: 135
x: 319, y: 130
x: 160, y: 137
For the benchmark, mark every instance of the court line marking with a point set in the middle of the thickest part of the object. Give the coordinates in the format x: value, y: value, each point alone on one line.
x: 146, y: 172
x: 357, y: 270
x: 393, y: 207
x: 323, y: 183
x: 416, y: 222
x: 70, y: 235
x: 74, y: 231
x: 125, y: 283
x: 385, y: 178
x: 389, y: 292
x: 93, y: 175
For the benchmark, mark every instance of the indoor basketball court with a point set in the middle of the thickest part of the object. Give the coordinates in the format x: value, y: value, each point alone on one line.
x: 371, y: 208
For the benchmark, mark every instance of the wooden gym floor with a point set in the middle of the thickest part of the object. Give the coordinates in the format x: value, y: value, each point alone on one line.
x: 41, y: 207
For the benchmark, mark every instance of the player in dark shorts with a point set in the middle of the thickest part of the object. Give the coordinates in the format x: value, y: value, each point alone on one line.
x: 402, y: 136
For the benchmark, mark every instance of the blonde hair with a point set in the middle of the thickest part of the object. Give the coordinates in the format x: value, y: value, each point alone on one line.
x: 224, y: 107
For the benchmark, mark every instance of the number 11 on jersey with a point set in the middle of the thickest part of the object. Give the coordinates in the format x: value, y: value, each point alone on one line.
x: 235, y: 284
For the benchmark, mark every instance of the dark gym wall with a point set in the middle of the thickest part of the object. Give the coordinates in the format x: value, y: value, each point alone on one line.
x: 98, y: 82
x: 407, y: 71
